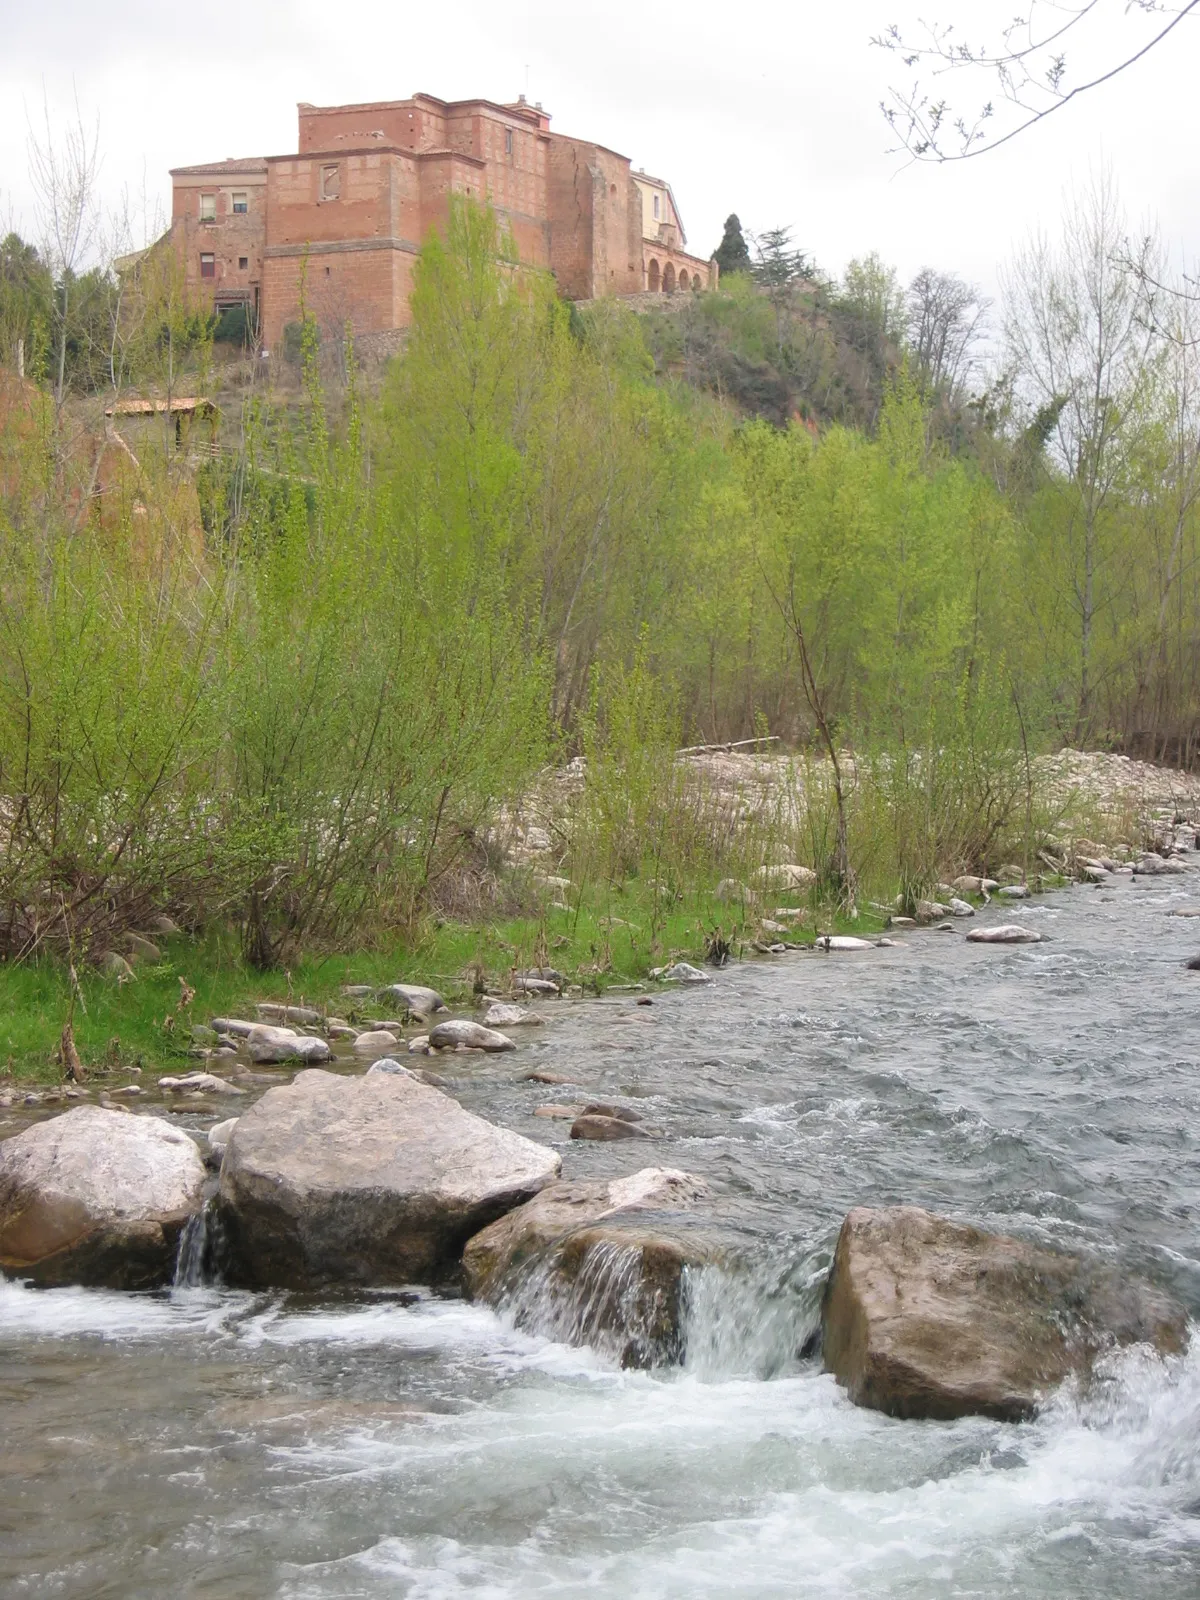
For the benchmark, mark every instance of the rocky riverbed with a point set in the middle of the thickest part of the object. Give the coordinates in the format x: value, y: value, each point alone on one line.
x: 585, y: 1427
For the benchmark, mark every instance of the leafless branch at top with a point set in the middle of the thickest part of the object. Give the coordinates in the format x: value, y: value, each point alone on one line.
x: 1019, y: 81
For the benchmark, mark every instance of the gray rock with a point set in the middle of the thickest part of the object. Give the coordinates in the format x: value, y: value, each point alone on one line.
x: 388, y: 1066
x: 842, y: 941
x: 924, y: 1317
x: 371, y: 1180
x: 787, y: 875
x: 472, y: 1035
x: 1005, y: 933
x: 265, y: 1043
x: 97, y: 1197
x: 206, y: 1082
x: 280, y: 1012
x: 1152, y: 866
x: 960, y: 908
x: 681, y: 972
x: 1013, y: 891
x: 113, y: 965
x: 598, y: 1263
x: 501, y: 1015
x: 234, y: 1026
x: 931, y: 911
x: 420, y: 1046
x: 969, y: 884
x: 218, y: 1136
x: 534, y: 981
x: 626, y: 1113
x: 375, y: 1042
x: 598, y: 1125
x: 141, y: 948
x: 421, y: 1002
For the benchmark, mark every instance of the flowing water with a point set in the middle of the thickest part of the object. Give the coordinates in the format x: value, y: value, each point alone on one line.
x: 213, y: 1443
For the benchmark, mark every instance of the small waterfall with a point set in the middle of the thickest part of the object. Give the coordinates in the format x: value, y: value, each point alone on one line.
x: 623, y: 1300
x: 755, y: 1320
x: 642, y: 1304
x: 201, y: 1254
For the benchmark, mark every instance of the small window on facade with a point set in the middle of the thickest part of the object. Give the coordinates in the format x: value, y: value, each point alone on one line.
x: 208, y: 208
x: 208, y: 265
x: 240, y: 205
x: 656, y: 208
x: 331, y: 182
x: 508, y: 141
x: 243, y: 263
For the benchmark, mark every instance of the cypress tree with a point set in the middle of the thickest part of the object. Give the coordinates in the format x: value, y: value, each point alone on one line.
x: 732, y: 254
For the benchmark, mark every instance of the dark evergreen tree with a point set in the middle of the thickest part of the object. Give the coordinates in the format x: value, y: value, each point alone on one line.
x: 733, y: 254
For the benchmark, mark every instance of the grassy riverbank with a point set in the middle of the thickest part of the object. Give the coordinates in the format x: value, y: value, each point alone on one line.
x: 604, y: 940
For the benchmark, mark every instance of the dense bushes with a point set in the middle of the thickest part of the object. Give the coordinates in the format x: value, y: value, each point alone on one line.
x: 307, y: 717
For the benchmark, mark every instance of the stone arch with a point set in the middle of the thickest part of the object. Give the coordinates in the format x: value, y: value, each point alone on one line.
x: 652, y: 282
x: 669, y: 278
x: 683, y: 278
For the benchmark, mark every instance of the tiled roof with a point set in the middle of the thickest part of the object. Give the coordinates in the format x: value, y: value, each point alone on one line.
x: 244, y: 164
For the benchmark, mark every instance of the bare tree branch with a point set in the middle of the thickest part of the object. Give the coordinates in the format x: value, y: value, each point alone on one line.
x: 1029, y: 68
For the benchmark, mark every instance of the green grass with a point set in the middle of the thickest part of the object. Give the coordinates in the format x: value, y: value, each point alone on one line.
x: 611, y: 937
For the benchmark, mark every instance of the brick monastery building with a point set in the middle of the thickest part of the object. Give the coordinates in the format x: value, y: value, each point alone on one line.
x: 368, y: 183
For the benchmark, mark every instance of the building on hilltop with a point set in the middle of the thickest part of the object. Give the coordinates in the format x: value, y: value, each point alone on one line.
x: 369, y: 181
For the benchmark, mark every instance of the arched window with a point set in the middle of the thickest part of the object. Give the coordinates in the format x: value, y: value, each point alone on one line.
x: 683, y: 279
x: 669, y: 278
x: 652, y: 277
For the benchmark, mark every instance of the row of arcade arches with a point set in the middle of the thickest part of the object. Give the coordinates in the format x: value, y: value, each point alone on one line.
x: 665, y: 279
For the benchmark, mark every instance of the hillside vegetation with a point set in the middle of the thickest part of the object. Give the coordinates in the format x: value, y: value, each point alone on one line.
x: 292, y: 686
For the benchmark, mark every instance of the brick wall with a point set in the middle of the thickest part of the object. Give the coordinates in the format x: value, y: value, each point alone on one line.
x: 365, y: 288
x: 570, y: 204
x: 370, y: 181
x: 230, y: 238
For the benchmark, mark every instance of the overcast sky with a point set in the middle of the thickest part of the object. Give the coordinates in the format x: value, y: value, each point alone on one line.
x: 770, y: 110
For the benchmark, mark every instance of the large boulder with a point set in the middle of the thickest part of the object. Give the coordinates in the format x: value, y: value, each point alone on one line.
x: 599, y: 1263
x: 97, y: 1197
x: 924, y: 1317
x: 372, y: 1180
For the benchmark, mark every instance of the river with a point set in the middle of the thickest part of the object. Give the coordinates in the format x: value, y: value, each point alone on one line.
x: 213, y: 1443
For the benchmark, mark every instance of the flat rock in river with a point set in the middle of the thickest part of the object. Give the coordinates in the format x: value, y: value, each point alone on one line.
x: 597, y: 1263
x: 372, y: 1180
x: 1005, y: 933
x: 472, y: 1035
x: 924, y: 1317
x: 266, y: 1044
x: 97, y: 1197
x: 500, y: 1014
x: 593, y: 1124
x: 421, y: 1002
x: 375, y: 1042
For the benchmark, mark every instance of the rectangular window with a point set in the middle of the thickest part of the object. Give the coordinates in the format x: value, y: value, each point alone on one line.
x: 240, y: 205
x: 243, y: 263
x: 508, y: 141
x: 208, y: 208
x: 331, y: 182
x: 656, y: 208
x: 208, y: 265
